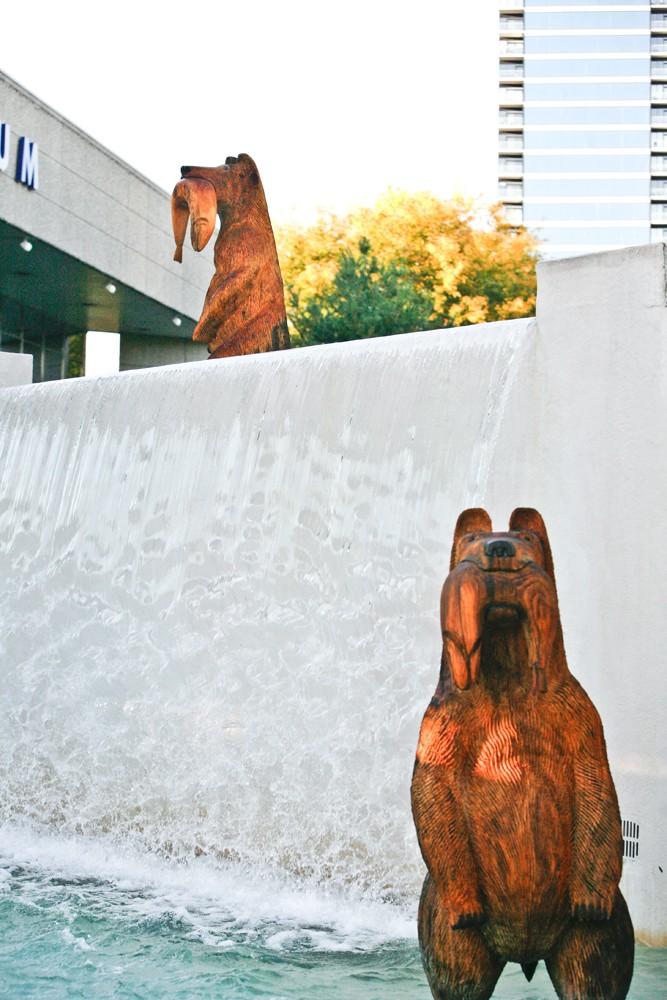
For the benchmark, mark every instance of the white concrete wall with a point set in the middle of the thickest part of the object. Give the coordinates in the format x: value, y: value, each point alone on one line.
x: 229, y: 572
x: 598, y: 470
x: 15, y: 369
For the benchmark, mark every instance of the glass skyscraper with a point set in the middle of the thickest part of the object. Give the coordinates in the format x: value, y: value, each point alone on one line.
x: 583, y: 122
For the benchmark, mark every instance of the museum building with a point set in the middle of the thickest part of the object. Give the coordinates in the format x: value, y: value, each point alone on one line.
x: 86, y: 245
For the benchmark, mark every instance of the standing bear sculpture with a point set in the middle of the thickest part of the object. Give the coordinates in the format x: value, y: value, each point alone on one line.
x: 244, y: 308
x: 513, y: 801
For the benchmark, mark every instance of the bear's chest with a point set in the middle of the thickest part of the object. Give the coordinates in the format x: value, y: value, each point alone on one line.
x: 510, y: 749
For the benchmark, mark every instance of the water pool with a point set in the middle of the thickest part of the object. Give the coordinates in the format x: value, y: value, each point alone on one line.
x: 82, y: 918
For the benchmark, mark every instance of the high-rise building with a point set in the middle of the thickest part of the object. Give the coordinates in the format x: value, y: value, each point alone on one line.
x: 583, y: 122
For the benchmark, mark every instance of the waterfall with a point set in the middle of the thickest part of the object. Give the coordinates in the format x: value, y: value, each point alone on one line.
x: 219, y: 588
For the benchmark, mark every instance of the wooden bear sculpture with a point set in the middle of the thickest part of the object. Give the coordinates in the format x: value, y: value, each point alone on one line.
x: 513, y: 801
x: 244, y: 308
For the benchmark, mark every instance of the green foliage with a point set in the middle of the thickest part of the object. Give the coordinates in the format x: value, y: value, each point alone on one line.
x: 75, y: 351
x: 412, y: 262
x: 365, y: 299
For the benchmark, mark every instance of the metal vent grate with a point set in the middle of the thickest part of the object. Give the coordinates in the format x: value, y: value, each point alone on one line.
x: 630, y: 839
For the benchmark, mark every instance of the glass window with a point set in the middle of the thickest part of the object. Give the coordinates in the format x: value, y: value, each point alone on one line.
x: 658, y: 234
x: 659, y: 164
x: 514, y: 214
x: 536, y: 44
x: 580, y: 188
x: 586, y: 116
x: 586, y: 139
x: 629, y: 236
x: 659, y: 116
x: 509, y: 142
x: 584, y: 3
x: 510, y: 95
x: 593, y: 68
x: 510, y: 190
x: 658, y: 68
x: 511, y: 69
x: 556, y: 162
x: 659, y: 44
x: 510, y: 118
x: 585, y: 20
x: 591, y: 90
x: 585, y: 211
x: 659, y: 189
x: 510, y: 166
x: 658, y: 21
x: 659, y: 212
x: 511, y: 23
x: 511, y: 47
x: 659, y: 141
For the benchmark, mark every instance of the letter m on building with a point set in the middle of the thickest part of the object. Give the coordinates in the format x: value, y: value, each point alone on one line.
x: 27, y: 163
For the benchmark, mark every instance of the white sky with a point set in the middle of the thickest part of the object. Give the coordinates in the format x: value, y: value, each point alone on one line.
x: 335, y: 101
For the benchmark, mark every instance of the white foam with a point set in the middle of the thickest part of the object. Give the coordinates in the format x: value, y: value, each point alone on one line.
x: 78, y: 942
x: 217, y: 904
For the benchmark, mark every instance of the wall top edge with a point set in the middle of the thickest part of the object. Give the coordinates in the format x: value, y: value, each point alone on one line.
x: 650, y: 253
x: 513, y: 331
x: 633, y: 274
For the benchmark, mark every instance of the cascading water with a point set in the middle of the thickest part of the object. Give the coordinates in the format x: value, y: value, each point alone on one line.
x: 219, y: 587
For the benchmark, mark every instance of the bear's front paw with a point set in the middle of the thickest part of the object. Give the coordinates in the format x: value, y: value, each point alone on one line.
x: 473, y: 918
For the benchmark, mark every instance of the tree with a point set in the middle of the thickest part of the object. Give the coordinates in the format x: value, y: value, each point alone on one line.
x: 365, y: 299
x: 412, y: 262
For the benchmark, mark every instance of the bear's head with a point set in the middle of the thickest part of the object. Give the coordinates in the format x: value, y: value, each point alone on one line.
x: 524, y: 544
x: 230, y: 191
x: 499, y: 607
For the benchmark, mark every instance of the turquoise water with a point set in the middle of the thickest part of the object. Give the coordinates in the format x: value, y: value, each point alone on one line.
x: 81, y: 918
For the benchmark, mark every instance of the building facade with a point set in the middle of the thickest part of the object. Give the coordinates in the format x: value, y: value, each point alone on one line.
x: 583, y: 122
x: 86, y: 245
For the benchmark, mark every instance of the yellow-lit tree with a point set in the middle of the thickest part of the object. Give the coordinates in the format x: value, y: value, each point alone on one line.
x: 412, y: 262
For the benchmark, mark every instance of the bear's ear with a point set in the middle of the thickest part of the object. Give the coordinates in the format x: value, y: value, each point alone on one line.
x: 473, y: 519
x: 528, y: 519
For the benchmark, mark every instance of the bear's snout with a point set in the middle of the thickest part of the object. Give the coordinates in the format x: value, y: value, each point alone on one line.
x: 501, y: 548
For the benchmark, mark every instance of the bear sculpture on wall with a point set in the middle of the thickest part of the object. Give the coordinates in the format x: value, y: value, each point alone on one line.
x: 512, y: 797
x: 244, y: 308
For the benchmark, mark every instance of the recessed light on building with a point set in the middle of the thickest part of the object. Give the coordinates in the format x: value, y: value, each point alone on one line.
x: 26, y: 245
x: 177, y: 321
x: 110, y: 287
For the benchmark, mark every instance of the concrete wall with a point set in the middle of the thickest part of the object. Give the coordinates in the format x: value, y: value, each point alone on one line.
x: 258, y: 544
x: 97, y: 208
x: 15, y: 369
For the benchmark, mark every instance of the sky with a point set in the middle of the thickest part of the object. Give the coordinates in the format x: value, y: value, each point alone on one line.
x: 336, y: 102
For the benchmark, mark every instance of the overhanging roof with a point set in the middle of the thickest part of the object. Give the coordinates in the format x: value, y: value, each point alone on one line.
x: 47, y: 291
